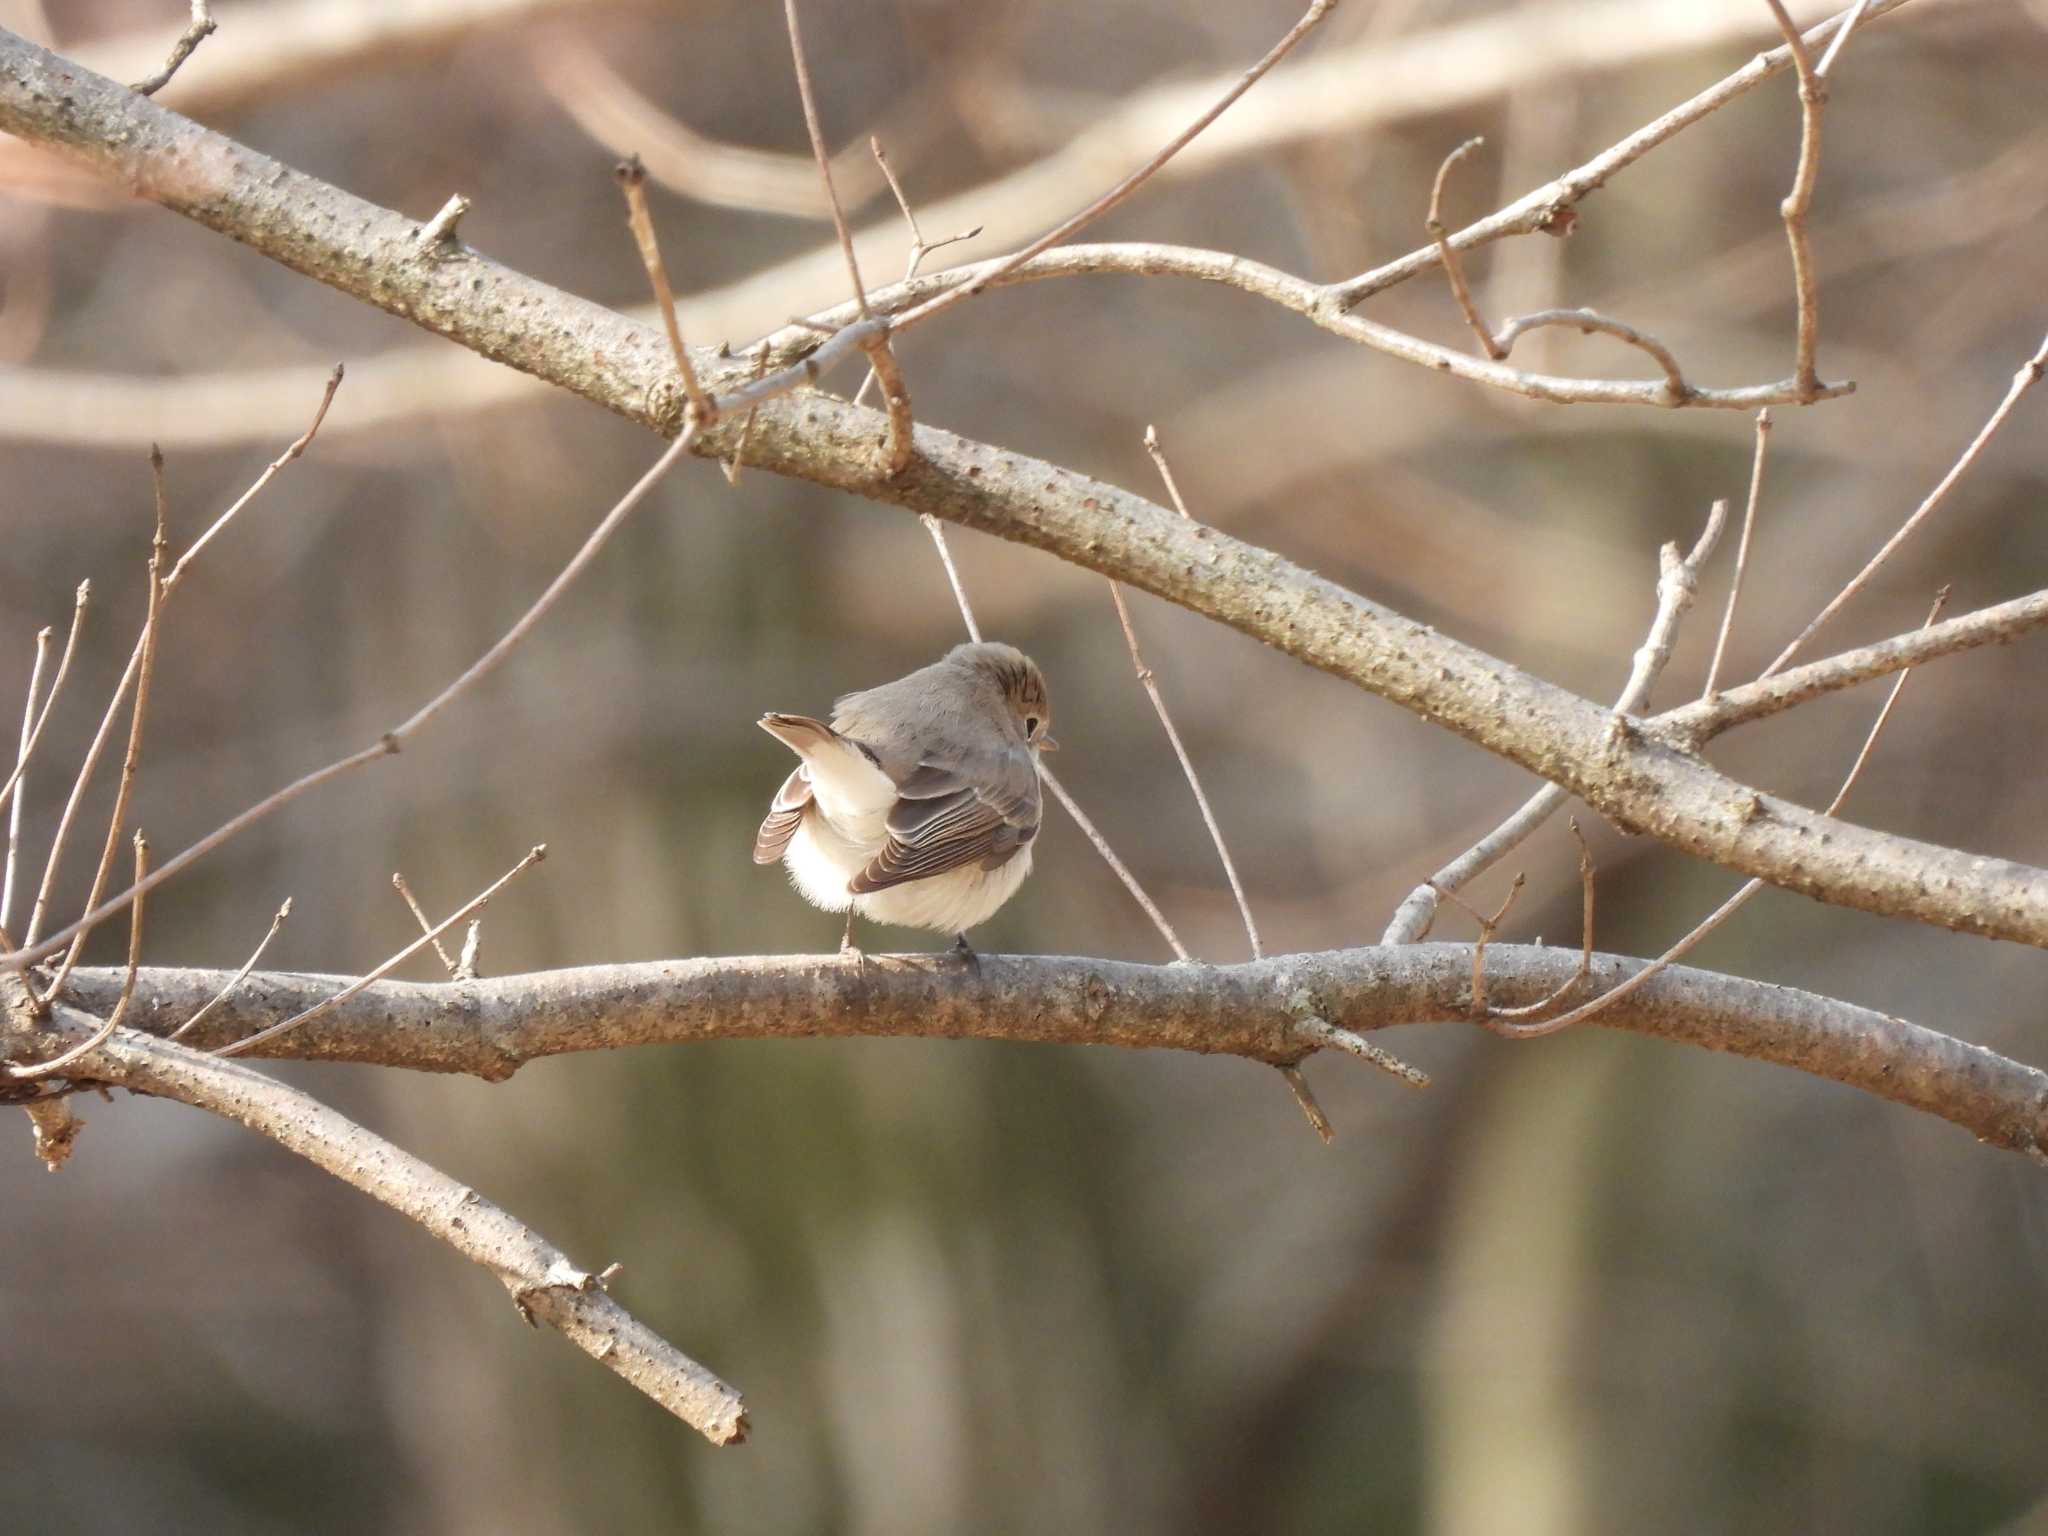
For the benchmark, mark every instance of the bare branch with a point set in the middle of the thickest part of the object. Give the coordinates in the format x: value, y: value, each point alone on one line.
x: 633, y: 180
x: 440, y: 229
x: 1677, y: 583
x: 1059, y: 790
x: 388, y: 744
x: 1253, y: 1010
x: 1698, y: 723
x: 131, y: 761
x: 28, y: 731
x: 298, y: 447
x: 1799, y: 201
x: 93, y: 1042
x: 1453, y: 268
x: 539, y: 1277
x: 1756, y: 485
x: 475, y: 904
x: 1587, y: 321
x: 1727, y: 908
x: 201, y: 28
x: 1123, y: 190
x: 84, y: 596
x: 1151, y: 686
x: 821, y: 154
x: 238, y: 978
x: 426, y: 923
x: 2026, y: 377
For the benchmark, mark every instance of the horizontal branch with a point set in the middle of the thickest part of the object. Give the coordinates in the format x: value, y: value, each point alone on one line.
x: 542, y: 1282
x: 489, y: 1028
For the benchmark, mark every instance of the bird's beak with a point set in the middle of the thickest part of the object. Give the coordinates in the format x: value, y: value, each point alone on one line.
x: 1047, y: 744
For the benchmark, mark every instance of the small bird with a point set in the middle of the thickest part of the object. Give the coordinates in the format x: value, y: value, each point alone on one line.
x: 918, y: 804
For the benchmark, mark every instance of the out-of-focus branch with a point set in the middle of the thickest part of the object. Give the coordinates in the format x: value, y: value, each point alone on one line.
x: 539, y: 1277
x: 491, y: 1027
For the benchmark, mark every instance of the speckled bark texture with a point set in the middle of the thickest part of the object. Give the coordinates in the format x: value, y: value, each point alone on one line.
x: 491, y: 1027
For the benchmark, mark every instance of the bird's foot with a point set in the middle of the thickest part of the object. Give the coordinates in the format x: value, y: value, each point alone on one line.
x: 850, y: 951
x: 962, y: 950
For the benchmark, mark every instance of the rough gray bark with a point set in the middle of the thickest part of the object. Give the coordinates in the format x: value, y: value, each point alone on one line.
x: 491, y: 1027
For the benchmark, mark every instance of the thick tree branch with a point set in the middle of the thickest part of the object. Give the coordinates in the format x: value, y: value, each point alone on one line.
x: 539, y: 1277
x: 1640, y: 783
x: 491, y: 1027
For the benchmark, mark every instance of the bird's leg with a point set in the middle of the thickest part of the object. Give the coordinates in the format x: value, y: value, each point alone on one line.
x: 849, y: 951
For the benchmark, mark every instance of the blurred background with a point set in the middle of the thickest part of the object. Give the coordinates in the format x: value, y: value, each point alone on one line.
x: 1595, y: 1283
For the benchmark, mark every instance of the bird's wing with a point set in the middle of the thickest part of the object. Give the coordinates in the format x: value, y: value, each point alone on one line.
x: 783, y: 815
x: 947, y: 816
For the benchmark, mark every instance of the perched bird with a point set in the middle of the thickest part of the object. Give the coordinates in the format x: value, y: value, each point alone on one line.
x: 917, y: 805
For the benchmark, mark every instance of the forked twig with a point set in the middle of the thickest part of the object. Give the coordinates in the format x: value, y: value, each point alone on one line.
x: 1454, y: 269
x: 2028, y: 374
x: 1727, y: 908
x: 237, y: 979
x: 391, y: 741
x: 1677, y: 583
x: 1587, y: 321
x: 475, y: 904
x: 426, y: 923
x: 99, y: 1037
x: 56, y: 686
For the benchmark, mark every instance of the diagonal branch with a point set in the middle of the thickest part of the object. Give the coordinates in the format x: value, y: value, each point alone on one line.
x: 539, y: 1277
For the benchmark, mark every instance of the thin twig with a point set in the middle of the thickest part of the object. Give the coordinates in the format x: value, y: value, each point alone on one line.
x: 99, y: 1037
x: 1677, y: 583
x: 1117, y: 866
x: 426, y: 923
x: 1588, y: 321
x: 731, y: 466
x: 201, y: 28
x: 1117, y: 194
x: 298, y: 447
x: 1827, y: 60
x: 389, y: 743
x: 1453, y: 268
x: 1585, y: 966
x: 1323, y: 1033
x: 918, y: 248
x: 823, y: 157
x: 633, y: 180
x: 28, y: 727
x: 1756, y: 482
x: 78, y: 607
x: 131, y: 761
x: 1691, y: 726
x: 1306, y: 1098
x: 1813, y: 96
x: 1151, y: 686
x: 2028, y: 374
x: 1727, y: 908
x: 476, y: 903
x: 237, y: 979
x: 440, y: 229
